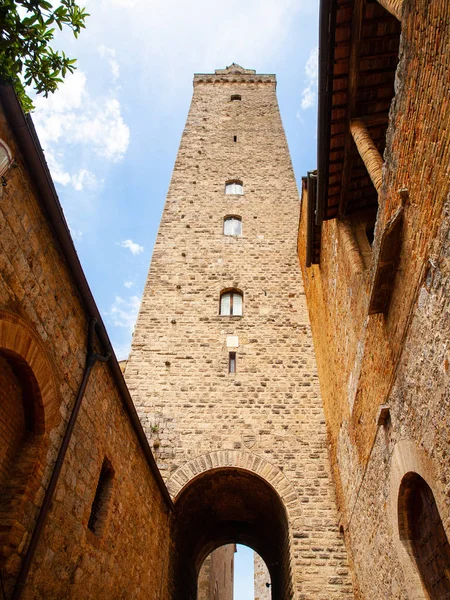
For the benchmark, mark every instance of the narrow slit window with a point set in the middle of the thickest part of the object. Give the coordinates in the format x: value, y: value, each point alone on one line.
x: 232, y: 226
x: 232, y: 362
x: 235, y: 138
x: 231, y: 304
x: 235, y: 97
x: 234, y: 187
x: 102, y: 496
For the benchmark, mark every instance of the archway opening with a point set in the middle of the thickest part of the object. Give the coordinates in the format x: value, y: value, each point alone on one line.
x: 230, y: 506
x: 234, y: 572
x: 422, y: 532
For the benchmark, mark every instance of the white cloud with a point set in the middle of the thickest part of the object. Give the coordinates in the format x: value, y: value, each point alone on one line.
x: 132, y: 246
x: 76, y: 234
x: 249, y: 33
x: 84, y: 178
x: 71, y: 115
x: 128, y: 284
x: 309, y: 93
x: 58, y: 173
x: 124, y: 312
x: 104, y: 129
x: 110, y: 54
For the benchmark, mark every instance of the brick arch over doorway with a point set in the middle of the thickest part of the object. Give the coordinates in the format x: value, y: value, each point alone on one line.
x: 19, y: 339
x: 223, y: 505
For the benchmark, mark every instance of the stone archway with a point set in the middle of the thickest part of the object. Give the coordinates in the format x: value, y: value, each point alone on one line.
x: 231, y: 497
x: 239, y: 459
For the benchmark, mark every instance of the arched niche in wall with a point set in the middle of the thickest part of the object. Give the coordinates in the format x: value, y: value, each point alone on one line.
x: 414, y: 475
x: 28, y: 408
x: 422, y: 533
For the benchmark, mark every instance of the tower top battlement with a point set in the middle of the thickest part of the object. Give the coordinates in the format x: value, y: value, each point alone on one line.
x: 234, y: 74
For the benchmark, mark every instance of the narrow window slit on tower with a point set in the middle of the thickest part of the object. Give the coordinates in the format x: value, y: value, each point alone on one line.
x: 232, y: 362
x: 235, y: 138
x: 102, y: 496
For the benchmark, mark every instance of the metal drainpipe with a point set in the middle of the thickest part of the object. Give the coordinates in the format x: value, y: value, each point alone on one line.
x: 91, y: 359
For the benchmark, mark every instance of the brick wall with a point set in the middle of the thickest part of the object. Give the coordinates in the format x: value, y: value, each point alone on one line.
x: 399, y: 359
x: 262, y: 578
x: 43, y: 320
x: 12, y: 421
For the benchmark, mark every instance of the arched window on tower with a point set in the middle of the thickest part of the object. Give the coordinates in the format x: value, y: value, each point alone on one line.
x: 422, y: 533
x: 234, y: 187
x: 231, y: 303
x: 232, y: 225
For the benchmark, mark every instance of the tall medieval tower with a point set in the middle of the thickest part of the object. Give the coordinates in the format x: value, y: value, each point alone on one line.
x: 222, y: 368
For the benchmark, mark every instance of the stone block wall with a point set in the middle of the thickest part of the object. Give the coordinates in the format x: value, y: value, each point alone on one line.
x: 43, y: 333
x: 262, y: 578
x: 216, y: 577
x: 269, y: 412
x: 399, y: 359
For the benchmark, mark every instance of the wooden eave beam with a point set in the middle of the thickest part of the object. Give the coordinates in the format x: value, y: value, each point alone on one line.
x: 368, y: 152
x: 352, y: 87
x: 395, y: 7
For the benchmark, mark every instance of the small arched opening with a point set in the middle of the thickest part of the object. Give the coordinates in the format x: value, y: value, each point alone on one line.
x: 226, y: 506
x: 423, y: 535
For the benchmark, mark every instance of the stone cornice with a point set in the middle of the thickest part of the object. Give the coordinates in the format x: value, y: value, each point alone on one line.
x: 233, y: 74
x: 233, y: 78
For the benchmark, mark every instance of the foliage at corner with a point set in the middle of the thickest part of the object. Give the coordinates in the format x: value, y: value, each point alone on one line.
x: 26, y: 58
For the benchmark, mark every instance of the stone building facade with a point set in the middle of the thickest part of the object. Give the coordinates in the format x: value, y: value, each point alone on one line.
x: 374, y: 249
x: 109, y: 507
x: 231, y: 402
x: 216, y: 577
x: 262, y: 579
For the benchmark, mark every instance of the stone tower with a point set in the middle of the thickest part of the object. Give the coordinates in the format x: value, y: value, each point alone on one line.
x: 222, y: 368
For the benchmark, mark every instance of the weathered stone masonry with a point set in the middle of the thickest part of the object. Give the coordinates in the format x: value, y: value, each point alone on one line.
x: 266, y: 418
x: 397, y: 359
x: 43, y: 328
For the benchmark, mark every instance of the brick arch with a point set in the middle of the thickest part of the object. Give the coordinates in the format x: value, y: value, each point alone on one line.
x: 19, y: 340
x: 30, y: 370
x: 239, y: 459
x: 409, y: 460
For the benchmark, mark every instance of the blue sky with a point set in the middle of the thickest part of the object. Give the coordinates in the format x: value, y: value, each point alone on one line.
x: 111, y: 133
x: 243, y: 573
